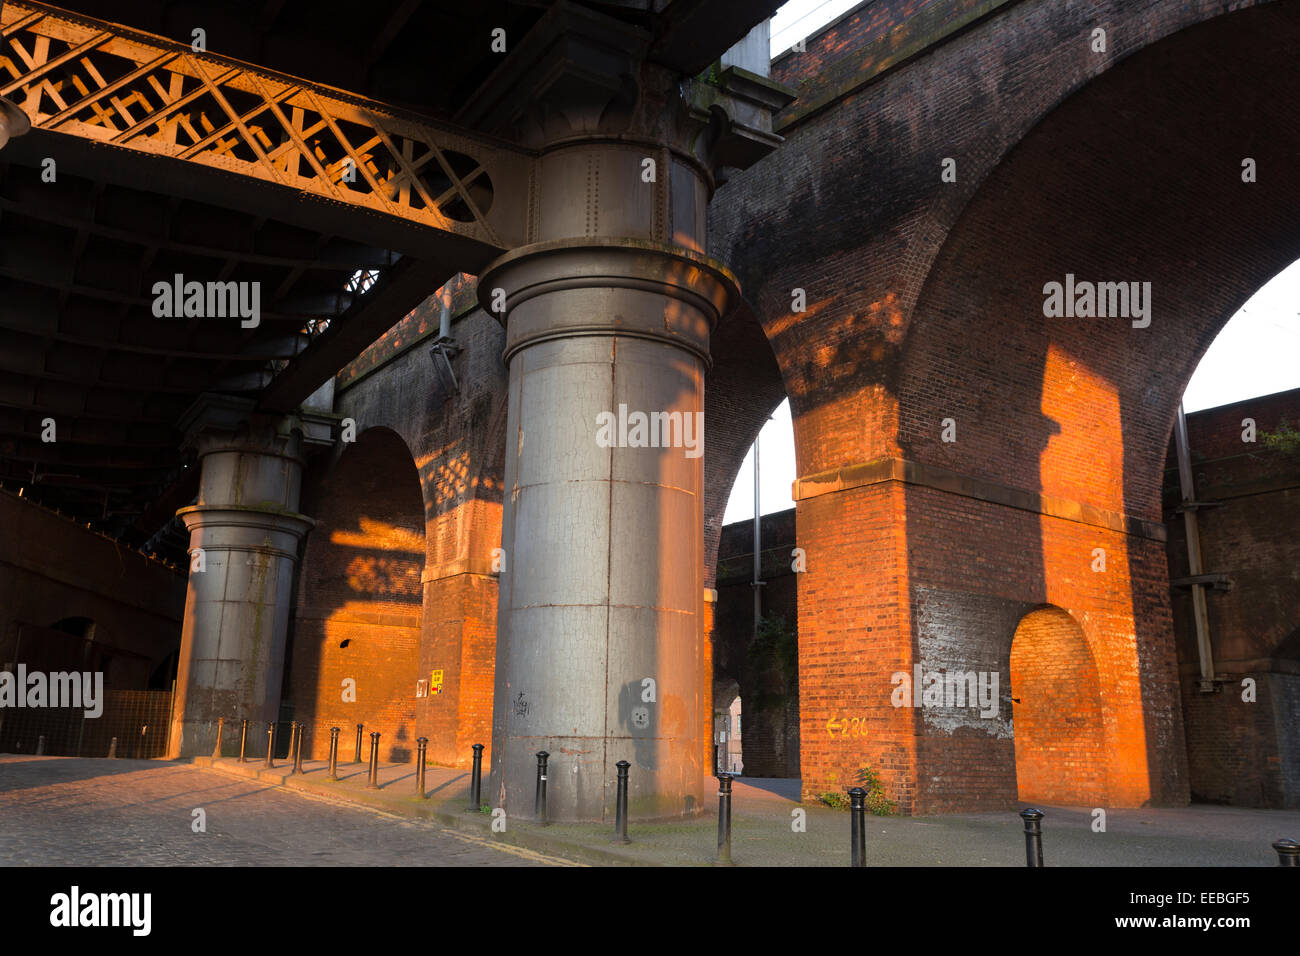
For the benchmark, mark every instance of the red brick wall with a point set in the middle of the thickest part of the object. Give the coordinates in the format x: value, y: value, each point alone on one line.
x: 925, y: 302
x: 1060, y: 745
x: 456, y: 455
x: 1242, y: 752
x: 359, y: 601
x: 854, y: 626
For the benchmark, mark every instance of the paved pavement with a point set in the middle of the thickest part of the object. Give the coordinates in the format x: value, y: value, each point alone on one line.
x: 57, y: 811
x: 61, y: 810
x: 764, y: 831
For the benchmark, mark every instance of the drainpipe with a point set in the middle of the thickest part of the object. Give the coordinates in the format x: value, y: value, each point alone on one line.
x: 444, y: 317
x: 445, y: 348
x: 1188, y: 490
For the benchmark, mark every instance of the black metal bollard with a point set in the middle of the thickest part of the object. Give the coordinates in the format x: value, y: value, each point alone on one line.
x: 421, y: 747
x: 1033, y: 836
x: 334, y: 754
x: 358, y: 757
x: 620, y: 805
x: 1288, y: 852
x: 858, y: 826
x: 293, y: 747
x: 373, y: 783
x: 270, y: 743
x: 297, y: 754
x: 40, y: 745
x: 243, y: 740
x: 539, y: 805
x: 112, y: 749
x: 724, y: 817
x: 221, y: 726
x: 476, y: 780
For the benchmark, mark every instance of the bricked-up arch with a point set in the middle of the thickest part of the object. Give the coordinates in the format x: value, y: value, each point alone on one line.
x: 359, y: 604
x: 1061, y: 751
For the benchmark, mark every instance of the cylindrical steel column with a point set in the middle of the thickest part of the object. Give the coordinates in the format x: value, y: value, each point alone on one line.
x: 243, y: 740
x: 245, y: 532
x: 221, y: 726
x: 270, y: 743
x: 357, y: 759
x: 600, y: 628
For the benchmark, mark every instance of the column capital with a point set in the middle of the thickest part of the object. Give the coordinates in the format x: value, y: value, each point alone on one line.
x: 263, y: 519
x: 588, y: 74
x: 216, y: 422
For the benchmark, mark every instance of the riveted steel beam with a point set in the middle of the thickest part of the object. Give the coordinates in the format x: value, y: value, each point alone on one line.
x: 108, y: 86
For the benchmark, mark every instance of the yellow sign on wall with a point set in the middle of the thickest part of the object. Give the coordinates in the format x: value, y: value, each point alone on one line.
x: 435, y: 682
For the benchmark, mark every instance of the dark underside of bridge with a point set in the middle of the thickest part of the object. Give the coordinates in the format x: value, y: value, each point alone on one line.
x: 84, y: 242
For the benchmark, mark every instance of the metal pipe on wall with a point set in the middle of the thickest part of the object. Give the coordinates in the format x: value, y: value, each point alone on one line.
x: 1187, y: 488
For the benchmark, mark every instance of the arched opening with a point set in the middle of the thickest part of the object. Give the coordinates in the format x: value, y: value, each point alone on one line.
x: 1057, y: 716
x: 354, y: 654
x: 753, y: 658
x: 1231, y: 507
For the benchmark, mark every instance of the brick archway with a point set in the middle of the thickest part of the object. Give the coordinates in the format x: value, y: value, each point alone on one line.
x: 1051, y: 492
x: 359, y: 605
x: 925, y: 306
x: 1058, y: 719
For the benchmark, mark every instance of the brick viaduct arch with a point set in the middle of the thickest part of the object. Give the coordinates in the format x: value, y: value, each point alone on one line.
x: 456, y: 446
x: 1143, y: 170
x: 359, y: 607
x: 924, y: 551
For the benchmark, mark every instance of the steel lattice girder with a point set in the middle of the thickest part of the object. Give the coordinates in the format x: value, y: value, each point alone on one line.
x: 85, y: 78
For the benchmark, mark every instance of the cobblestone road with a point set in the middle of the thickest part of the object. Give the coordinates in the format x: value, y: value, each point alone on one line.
x: 69, y: 812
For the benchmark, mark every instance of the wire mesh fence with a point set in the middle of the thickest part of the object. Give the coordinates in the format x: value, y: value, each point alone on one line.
x: 139, y: 719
